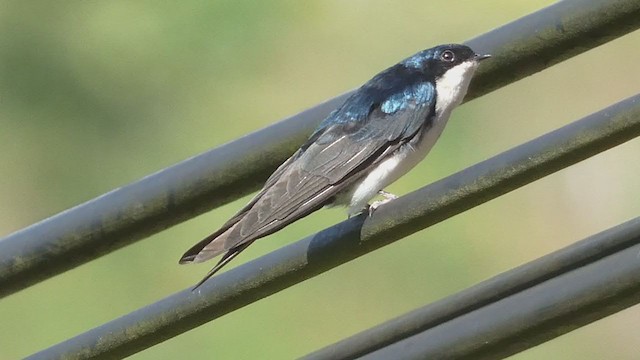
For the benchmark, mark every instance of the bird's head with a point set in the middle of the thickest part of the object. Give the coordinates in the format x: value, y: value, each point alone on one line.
x: 450, y: 67
x: 440, y: 60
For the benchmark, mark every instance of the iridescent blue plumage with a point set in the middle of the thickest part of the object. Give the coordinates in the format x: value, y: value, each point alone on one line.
x: 390, y: 91
x: 419, y: 60
x: 421, y: 93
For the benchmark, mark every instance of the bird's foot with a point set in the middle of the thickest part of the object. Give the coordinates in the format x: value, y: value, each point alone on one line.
x: 387, y: 197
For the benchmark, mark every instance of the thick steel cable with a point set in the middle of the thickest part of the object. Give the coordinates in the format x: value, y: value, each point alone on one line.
x: 168, y: 197
x: 357, y: 236
x: 503, y: 315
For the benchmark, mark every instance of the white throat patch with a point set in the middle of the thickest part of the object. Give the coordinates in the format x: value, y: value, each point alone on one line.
x: 452, y: 86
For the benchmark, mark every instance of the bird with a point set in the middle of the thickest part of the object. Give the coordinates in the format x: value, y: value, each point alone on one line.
x: 380, y: 132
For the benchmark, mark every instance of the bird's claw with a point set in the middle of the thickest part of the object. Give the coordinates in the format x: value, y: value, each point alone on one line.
x: 387, y: 197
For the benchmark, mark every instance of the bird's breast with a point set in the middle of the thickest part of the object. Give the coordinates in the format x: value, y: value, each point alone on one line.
x: 395, y: 165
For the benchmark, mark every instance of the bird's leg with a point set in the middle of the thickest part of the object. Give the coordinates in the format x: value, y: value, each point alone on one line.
x: 387, y: 197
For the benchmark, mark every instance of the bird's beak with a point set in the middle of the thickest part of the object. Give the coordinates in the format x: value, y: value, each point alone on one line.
x: 479, y: 57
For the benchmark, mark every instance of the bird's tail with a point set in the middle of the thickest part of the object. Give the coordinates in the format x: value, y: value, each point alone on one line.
x: 210, y: 247
x: 226, y: 258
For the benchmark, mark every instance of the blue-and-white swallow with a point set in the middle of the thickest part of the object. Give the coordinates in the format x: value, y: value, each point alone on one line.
x: 377, y: 135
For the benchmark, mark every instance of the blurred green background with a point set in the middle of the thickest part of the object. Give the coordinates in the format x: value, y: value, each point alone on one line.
x: 97, y: 94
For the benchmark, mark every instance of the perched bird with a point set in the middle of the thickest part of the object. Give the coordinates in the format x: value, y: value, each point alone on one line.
x: 378, y: 134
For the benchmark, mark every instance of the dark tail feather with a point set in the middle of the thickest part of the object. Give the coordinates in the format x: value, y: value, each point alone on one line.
x: 192, y: 253
x: 226, y: 258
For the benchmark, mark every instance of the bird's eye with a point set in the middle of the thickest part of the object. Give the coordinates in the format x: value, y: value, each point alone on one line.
x: 448, y: 56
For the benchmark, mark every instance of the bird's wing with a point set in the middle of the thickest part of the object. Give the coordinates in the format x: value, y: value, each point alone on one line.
x: 330, y: 161
x: 190, y: 255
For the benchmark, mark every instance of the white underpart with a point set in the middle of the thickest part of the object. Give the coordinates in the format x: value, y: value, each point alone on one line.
x: 450, y: 90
